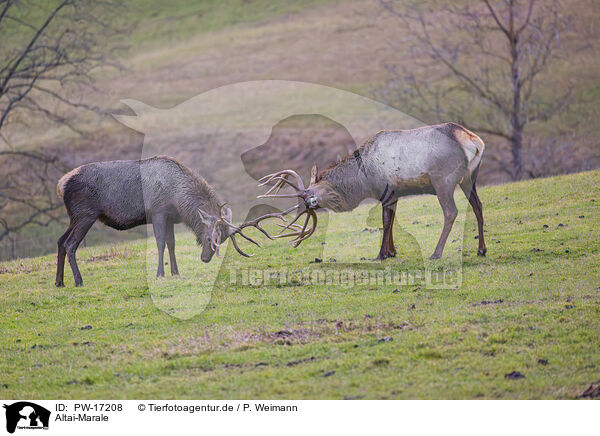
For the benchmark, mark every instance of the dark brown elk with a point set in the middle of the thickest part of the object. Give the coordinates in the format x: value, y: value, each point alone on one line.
x: 391, y: 164
x: 128, y: 193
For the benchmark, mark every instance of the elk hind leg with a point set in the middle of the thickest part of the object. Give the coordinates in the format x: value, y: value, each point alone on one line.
x: 470, y: 191
x: 60, y: 259
x: 80, y: 228
x: 445, y: 196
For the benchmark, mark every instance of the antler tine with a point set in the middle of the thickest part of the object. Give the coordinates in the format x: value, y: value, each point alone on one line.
x: 282, y: 176
x: 248, y: 238
x: 294, y: 227
x: 256, y: 222
x: 308, y: 217
x: 278, y: 196
x: 267, y: 179
x: 275, y: 188
x: 235, y: 245
x: 238, y: 230
x: 215, y: 245
x: 301, y: 233
x: 313, y: 215
x: 281, y: 181
x: 289, y: 225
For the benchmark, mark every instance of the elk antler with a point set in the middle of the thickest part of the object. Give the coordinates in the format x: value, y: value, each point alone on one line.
x: 301, y: 233
x: 237, y: 230
x: 280, y: 179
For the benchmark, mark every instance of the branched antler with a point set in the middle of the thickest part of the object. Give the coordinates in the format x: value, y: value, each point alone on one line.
x: 280, y: 179
x: 301, y: 233
x: 238, y: 230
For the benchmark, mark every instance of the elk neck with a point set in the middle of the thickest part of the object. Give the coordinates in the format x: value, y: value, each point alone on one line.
x: 343, y: 186
x: 196, y: 195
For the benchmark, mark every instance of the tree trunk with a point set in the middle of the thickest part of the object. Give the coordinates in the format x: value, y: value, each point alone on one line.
x: 516, y: 123
x: 517, y: 152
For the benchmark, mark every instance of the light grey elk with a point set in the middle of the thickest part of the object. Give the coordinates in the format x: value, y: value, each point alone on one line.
x: 128, y: 193
x: 391, y: 164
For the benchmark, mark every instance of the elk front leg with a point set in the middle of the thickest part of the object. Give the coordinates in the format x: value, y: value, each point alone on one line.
x: 387, y: 242
x: 159, y: 224
x: 171, y: 246
x: 446, y: 199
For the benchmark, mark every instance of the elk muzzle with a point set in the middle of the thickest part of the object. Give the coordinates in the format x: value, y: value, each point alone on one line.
x: 311, y: 202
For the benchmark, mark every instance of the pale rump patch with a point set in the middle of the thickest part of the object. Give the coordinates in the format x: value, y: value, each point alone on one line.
x: 60, y: 187
x: 472, y: 145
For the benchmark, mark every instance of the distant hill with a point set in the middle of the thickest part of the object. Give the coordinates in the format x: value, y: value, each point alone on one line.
x: 180, y: 49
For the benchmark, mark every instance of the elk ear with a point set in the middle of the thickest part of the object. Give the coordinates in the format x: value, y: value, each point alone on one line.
x: 206, y: 218
x: 313, y: 174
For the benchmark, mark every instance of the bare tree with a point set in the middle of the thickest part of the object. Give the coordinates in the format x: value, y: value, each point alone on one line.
x: 481, y: 64
x: 27, y: 195
x: 49, y: 54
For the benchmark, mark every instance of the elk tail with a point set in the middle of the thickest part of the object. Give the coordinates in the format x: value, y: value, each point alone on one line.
x: 60, y: 186
x: 473, y: 147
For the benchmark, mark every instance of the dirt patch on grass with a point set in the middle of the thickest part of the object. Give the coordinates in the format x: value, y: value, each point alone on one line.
x: 113, y: 253
x: 243, y: 339
x: 488, y: 302
x: 591, y: 392
x: 301, y: 361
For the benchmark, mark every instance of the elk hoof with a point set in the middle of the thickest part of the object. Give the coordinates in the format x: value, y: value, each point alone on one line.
x: 481, y: 252
x: 59, y: 284
x: 435, y: 256
x: 78, y: 284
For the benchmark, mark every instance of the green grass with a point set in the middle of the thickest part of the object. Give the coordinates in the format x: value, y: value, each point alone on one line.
x: 273, y: 341
x: 156, y: 21
x: 164, y: 22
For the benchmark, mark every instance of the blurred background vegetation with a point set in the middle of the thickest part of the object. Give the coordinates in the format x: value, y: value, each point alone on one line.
x: 520, y: 73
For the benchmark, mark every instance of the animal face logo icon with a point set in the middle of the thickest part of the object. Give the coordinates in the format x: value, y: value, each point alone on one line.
x: 26, y: 415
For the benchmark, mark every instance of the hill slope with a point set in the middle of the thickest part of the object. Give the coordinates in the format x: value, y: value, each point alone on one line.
x: 180, y: 49
x: 531, y: 306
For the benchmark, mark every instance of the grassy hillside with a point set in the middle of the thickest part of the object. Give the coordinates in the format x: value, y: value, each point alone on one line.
x: 531, y: 306
x: 177, y: 50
